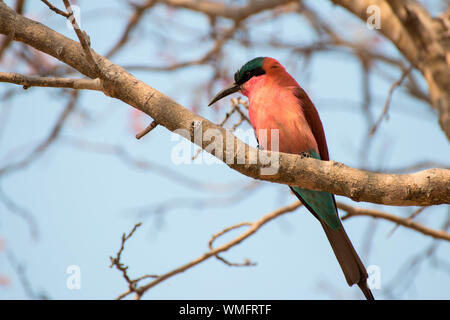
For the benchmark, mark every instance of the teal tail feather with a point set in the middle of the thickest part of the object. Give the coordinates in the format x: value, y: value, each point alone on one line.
x: 323, y: 206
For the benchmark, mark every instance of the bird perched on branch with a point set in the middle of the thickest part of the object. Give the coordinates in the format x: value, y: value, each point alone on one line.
x: 277, y: 102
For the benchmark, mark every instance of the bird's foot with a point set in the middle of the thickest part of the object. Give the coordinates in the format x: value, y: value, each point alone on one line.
x: 305, y: 155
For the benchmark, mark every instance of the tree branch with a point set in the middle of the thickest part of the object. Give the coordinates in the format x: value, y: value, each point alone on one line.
x: 217, y: 9
x: 421, y: 189
x: 33, y: 81
x: 139, y: 11
x: 421, y: 39
x: 252, y: 228
x: 45, y: 144
x: 4, y: 44
x: 384, y: 114
x: 55, y: 9
x: 118, y: 264
x: 406, y: 222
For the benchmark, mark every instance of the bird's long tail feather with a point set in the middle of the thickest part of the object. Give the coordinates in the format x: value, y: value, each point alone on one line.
x: 351, y: 265
x: 353, y: 268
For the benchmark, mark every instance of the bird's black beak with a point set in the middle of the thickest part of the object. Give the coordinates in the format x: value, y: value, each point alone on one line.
x: 225, y: 92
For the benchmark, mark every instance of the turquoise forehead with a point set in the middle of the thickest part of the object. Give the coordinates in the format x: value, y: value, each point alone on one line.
x: 251, y: 65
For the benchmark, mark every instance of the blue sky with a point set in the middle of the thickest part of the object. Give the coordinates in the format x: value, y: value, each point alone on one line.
x: 83, y: 201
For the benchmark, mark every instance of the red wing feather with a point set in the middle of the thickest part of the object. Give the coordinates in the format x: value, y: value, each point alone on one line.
x: 312, y: 116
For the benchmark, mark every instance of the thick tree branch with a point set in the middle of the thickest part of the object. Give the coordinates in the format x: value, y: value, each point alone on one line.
x: 422, y: 188
x: 4, y: 44
x: 422, y: 39
x: 430, y: 37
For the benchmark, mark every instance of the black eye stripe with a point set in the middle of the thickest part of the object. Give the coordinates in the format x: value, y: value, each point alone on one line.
x: 248, y: 75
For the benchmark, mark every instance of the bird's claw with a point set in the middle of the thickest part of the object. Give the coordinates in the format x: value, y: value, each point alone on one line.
x: 305, y: 155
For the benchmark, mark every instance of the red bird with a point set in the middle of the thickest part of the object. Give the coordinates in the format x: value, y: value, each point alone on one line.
x: 277, y: 102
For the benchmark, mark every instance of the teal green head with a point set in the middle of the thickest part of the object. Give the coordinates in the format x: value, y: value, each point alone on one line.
x: 252, y: 68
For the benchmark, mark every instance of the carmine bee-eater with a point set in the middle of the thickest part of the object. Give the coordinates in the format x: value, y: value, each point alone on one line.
x: 276, y: 101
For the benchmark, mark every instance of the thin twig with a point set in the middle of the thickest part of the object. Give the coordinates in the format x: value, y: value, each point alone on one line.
x: 116, y: 262
x: 146, y: 165
x: 253, y: 227
x: 56, y: 10
x: 83, y: 38
x: 20, y: 211
x: 132, y: 24
x: 412, y: 216
x: 149, y: 128
x: 33, y: 81
x: 408, y: 223
x: 221, y: 233
x: 384, y: 114
x: 45, y: 144
x: 24, y: 280
x: 215, y: 50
